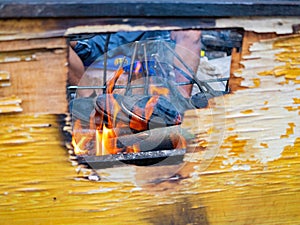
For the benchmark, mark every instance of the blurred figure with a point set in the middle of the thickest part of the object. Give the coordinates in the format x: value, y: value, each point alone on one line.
x: 84, y: 52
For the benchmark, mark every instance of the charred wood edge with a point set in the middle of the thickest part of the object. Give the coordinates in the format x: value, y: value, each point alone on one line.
x: 149, y: 158
x: 141, y: 8
x: 65, y: 127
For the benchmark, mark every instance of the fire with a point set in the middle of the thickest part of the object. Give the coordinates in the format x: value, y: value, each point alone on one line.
x: 77, y: 149
x: 136, y: 123
x: 135, y: 148
x: 80, y: 138
x: 106, y: 142
x: 150, y: 106
x: 111, y: 83
x: 104, y: 124
x: 140, y: 122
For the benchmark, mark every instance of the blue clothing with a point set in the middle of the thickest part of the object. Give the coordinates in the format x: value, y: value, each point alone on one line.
x: 89, y: 50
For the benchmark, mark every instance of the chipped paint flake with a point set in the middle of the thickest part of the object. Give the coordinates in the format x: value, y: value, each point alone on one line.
x: 280, y: 25
x: 268, y: 110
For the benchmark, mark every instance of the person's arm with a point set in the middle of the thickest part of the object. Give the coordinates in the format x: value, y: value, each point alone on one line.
x: 188, y: 46
x: 76, y: 71
x: 76, y: 68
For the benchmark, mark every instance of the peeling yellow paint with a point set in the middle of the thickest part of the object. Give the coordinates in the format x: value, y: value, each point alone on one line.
x: 264, y: 108
x: 291, y: 108
x: 289, y: 131
x: 290, y: 72
x: 254, y: 166
x: 235, y: 145
x: 256, y: 82
x: 288, y: 42
x: 296, y: 100
x: 265, y: 145
x: 41, y: 167
x: 289, y: 55
x: 247, y: 111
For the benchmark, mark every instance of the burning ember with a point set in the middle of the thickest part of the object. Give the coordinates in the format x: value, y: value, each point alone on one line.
x: 144, y: 115
x: 129, y: 124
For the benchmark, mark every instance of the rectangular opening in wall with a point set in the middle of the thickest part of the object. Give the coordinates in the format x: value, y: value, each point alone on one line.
x: 125, y: 85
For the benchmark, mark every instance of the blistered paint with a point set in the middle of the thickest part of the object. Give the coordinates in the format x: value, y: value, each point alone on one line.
x: 272, y: 73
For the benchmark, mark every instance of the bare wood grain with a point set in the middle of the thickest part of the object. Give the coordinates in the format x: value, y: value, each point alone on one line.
x: 38, y: 75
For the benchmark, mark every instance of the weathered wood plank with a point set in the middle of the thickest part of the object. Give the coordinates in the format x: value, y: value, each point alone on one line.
x: 37, y: 28
x: 240, y: 192
x: 249, y: 173
x: 38, y: 73
x: 249, y: 38
x: 166, y: 8
x: 10, y: 104
x: 29, y: 44
x: 279, y: 25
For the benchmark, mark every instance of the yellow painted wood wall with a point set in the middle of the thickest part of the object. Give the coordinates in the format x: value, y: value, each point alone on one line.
x: 248, y: 173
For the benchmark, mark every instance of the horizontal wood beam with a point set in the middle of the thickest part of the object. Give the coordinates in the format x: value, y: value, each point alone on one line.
x: 146, y: 8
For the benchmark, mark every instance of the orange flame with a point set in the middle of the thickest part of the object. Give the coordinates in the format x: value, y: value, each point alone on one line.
x: 102, y: 124
x: 139, y: 124
x: 135, y: 122
x: 111, y: 83
x: 80, y: 138
x: 150, y: 106
x: 135, y: 148
x: 106, y: 142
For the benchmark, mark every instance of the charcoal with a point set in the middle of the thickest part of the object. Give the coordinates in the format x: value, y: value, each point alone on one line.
x: 164, y: 113
x: 81, y: 109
